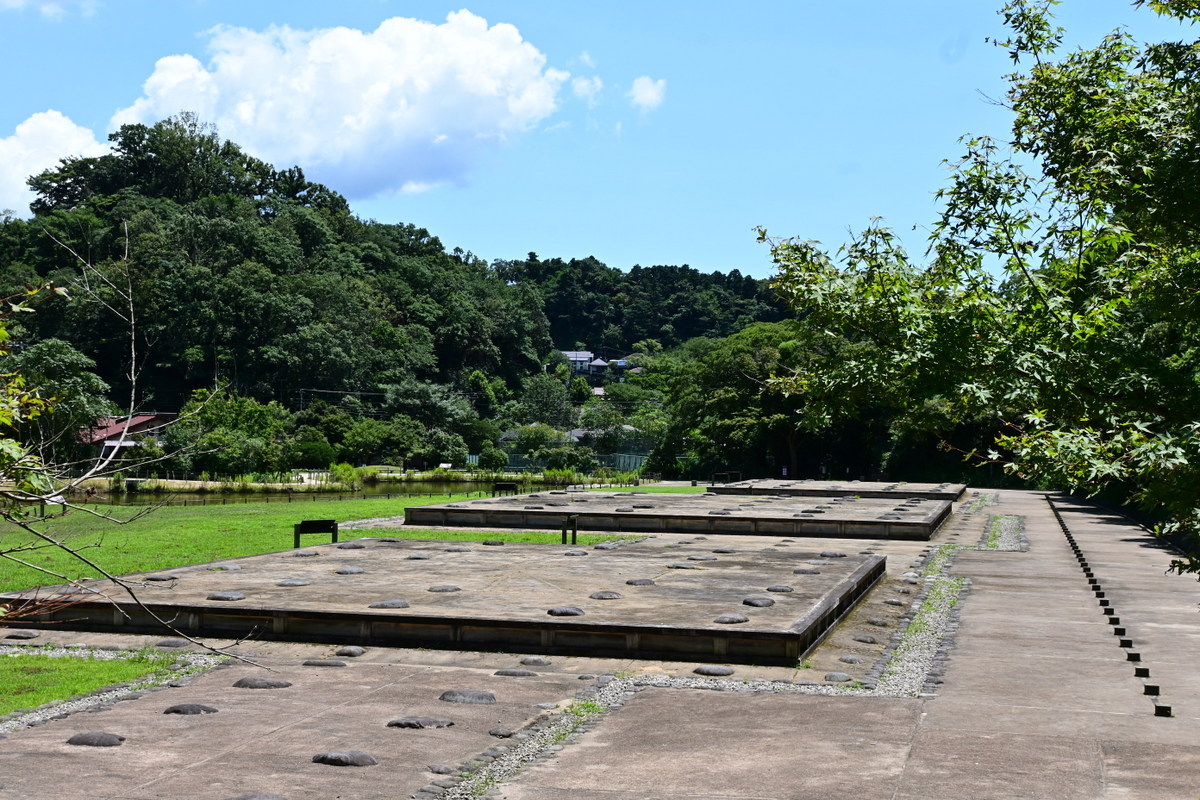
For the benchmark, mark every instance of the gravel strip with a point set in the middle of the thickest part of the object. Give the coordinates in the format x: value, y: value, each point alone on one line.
x: 978, y: 501
x: 923, y: 645
x: 920, y: 643
x: 541, y: 740
x: 1005, y: 533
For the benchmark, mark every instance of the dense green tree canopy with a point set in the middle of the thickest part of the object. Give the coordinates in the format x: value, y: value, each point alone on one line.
x: 612, y: 311
x: 237, y: 274
x: 1060, y: 292
x: 724, y: 414
x: 252, y: 277
x: 65, y: 378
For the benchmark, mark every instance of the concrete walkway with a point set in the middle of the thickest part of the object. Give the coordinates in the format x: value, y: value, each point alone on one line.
x: 1040, y: 700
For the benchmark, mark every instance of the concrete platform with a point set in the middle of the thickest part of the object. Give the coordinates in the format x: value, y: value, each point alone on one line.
x: 1038, y: 701
x: 845, y: 516
x: 263, y: 740
x: 510, y: 597
x: 899, y: 490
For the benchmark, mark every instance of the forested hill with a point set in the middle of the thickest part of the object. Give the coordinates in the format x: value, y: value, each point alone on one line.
x: 242, y: 274
x: 588, y: 303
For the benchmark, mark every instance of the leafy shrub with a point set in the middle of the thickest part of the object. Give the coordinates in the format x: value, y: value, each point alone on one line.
x: 493, y: 459
x: 560, y: 477
x: 344, y: 474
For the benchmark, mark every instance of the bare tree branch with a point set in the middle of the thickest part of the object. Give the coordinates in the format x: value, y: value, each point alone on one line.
x: 39, y: 483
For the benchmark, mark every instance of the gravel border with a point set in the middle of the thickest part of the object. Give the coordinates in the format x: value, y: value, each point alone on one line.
x: 1006, y: 532
x: 917, y: 652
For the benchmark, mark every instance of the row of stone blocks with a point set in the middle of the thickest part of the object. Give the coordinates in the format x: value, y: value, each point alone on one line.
x: 1140, y: 670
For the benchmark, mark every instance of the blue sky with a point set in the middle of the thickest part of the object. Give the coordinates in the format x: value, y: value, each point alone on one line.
x: 640, y: 133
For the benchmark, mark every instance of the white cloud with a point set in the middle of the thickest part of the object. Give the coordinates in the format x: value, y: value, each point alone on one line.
x: 647, y: 94
x: 586, y: 59
x: 405, y: 107
x: 418, y: 187
x: 51, y: 9
x: 39, y: 143
x: 588, y: 89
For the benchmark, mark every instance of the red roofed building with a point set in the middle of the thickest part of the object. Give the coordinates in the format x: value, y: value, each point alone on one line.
x: 115, y: 432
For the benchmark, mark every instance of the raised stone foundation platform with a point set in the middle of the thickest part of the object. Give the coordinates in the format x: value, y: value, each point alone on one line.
x: 848, y: 515
x: 654, y: 599
x: 813, y: 488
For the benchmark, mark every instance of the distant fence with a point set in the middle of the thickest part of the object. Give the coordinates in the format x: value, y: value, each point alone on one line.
x: 623, y: 462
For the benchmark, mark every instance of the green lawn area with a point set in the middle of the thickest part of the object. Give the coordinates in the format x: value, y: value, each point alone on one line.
x: 28, y: 680
x: 173, y: 535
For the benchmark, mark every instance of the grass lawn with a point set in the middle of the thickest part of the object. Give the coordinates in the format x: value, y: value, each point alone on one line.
x: 27, y: 680
x: 172, y: 536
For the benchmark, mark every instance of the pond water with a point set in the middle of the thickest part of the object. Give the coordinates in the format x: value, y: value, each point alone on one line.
x: 382, y: 490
